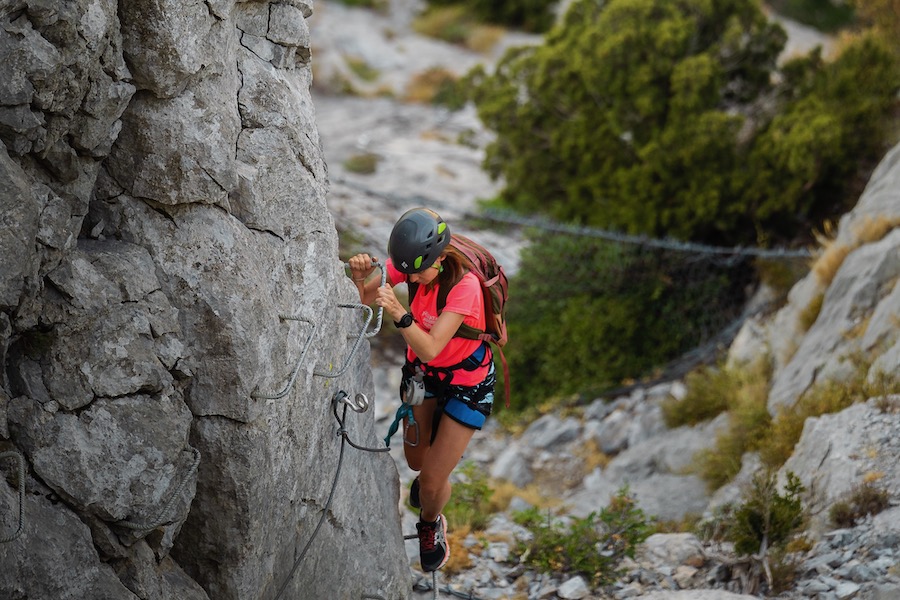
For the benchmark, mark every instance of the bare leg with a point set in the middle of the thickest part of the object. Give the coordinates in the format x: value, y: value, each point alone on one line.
x: 415, y: 455
x: 443, y: 456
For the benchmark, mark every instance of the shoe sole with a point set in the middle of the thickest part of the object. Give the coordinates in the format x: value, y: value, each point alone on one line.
x: 446, y: 545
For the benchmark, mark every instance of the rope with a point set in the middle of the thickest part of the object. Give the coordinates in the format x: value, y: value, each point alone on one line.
x: 164, y: 513
x: 21, y: 462
x: 510, y: 218
x: 359, y: 404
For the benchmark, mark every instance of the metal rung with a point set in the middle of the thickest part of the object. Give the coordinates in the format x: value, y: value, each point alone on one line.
x: 287, y: 388
x: 164, y: 513
x: 21, y: 463
x: 359, y: 338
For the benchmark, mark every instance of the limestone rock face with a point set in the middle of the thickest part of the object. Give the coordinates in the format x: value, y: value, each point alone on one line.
x: 174, y: 319
x: 859, y: 305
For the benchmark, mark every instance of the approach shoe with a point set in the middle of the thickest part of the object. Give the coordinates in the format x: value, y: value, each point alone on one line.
x: 414, y: 494
x: 433, y: 548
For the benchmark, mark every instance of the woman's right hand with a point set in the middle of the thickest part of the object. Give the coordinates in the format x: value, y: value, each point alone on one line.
x: 361, y: 266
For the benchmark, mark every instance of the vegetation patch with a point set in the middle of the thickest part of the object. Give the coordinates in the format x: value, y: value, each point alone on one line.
x: 364, y: 164
x: 591, y: 546
x: 866, y: 499
x: 824, y: 398
x: 436, y: 86
x: 528, y: 15
x: 362, y: 69
x: 714, y: 390
x: 649, y: 118
x: 827, y: 16
x: 458, y: 25
x: 811, y: 312
x: 832, y: 254
x: 765, y: 528
x: 373, y: 4
x: 590, y: 314
x: 751, y: 428
x: 470, y: 503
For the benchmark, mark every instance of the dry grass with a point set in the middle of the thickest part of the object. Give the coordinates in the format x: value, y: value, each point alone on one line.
x: 823, y: 398
x: 483, y: 38
x: 457, y: 25
x: 832, y: 255
x: 592, y: 456
x: 829, y: 261
x: 459, y: 560
x: 504, y: 492
x: 424, y: 86
x: 809, y: 314
x: 872, y: 477
x: 873, y: 229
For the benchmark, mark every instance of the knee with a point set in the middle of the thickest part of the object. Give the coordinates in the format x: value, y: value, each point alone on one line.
x: 431, y: 486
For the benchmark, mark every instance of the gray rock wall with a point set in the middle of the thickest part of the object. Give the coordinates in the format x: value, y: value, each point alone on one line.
x: 162, y: 199
x: 859, y: 306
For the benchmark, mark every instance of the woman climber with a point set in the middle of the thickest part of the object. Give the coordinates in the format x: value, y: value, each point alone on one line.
x: 457, y: 374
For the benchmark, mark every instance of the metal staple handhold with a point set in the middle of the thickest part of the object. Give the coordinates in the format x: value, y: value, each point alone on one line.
x: 378, y: 321
x: 164, y: 513
x: 21, y: 462
x: 287, y: 388
x: 359, y: 338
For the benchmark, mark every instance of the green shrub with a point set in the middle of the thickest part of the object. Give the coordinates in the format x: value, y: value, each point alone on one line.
x: 591, y: 546
x: 767, y: 516
x: 865, y: 499
x: 470, y: 502
x: 589, y: 314
x: 528, y: 15
x: 748, y: 423
x: 670, y: 118
x: 364, y: 164
x: 824, y: 15
x: 713, y: 390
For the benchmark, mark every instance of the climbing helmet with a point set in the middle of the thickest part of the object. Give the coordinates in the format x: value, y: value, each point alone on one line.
x: 417, y: 240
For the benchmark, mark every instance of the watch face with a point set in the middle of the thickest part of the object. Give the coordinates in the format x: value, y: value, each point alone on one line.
x: 406, y: 320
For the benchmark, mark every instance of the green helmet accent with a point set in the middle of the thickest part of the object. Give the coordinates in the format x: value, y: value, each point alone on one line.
x: 417, y: 240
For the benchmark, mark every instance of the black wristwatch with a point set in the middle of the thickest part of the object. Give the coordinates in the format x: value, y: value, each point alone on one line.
x: 405, y: 321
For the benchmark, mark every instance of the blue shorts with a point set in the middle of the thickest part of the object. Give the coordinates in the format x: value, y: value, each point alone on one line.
x: 471, y: 406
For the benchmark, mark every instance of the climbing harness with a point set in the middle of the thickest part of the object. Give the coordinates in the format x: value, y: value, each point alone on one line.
x: 164, y: 513
x: 364, y: 332
x: 20, y: 460
x: 359, y: 404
